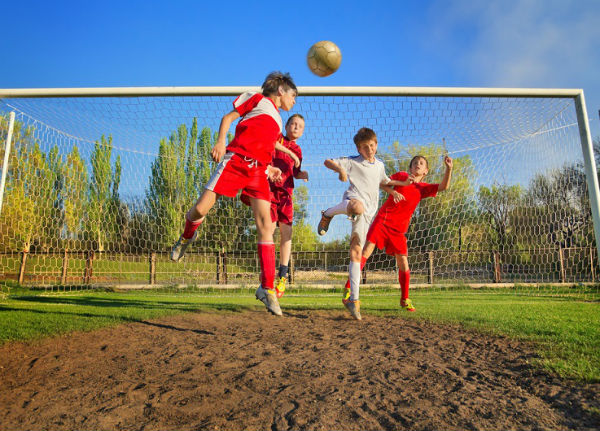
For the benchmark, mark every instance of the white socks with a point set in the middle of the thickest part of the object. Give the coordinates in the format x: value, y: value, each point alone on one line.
x: 337, y: 209
x: 354, y: 275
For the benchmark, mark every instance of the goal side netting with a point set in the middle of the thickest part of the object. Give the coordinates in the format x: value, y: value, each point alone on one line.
x: 97, y: 187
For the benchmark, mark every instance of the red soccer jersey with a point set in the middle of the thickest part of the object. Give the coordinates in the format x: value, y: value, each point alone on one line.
x: 284, y: 162
x: 397, y: 216
x: 258, y: 129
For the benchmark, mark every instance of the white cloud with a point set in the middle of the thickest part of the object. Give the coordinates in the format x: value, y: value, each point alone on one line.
x: 523, y: 43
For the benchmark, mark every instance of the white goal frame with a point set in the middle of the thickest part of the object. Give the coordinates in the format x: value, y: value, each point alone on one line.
x: 575, y: 94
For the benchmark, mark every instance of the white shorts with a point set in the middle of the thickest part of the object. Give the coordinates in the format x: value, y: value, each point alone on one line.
x: 360, y: 227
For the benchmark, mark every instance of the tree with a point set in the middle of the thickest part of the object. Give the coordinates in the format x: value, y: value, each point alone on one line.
x: 562, y: 208
x: 178, y: 177
x: 75, y: 191
x: 102, y: 212
x: 498, y: 202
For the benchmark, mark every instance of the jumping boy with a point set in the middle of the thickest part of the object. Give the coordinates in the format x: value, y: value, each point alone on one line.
x: 282, y: 206
x: 245, y: 164
x: 393, y: 218
x: 366, y: 174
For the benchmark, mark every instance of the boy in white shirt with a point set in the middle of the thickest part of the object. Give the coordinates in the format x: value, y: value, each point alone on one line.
x: 366, y: 174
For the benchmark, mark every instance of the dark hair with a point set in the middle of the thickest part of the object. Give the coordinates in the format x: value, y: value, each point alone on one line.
x: 417, y: 158
x: 292, y: 117
x: 364, y: 134
x: 274, y: 80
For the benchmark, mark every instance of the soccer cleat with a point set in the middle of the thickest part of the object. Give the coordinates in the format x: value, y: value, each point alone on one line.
x: 280, y: 288
x: 345, y: 295
x: 269, y: 298
x: 353, y: 307
x: 180, y: 247
x: 323, y: 224
x: 407, y: 305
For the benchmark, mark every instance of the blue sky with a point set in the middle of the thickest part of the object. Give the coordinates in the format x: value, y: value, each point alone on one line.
x: 455, y: 43
x: 506, y: 43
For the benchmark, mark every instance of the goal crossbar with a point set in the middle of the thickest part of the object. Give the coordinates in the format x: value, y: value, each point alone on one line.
x: 304, y: 91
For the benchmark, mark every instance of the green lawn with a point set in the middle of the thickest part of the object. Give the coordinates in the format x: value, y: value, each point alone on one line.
x: 566, y: 331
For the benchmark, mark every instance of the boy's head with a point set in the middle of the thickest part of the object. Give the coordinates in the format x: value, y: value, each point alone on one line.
x: 419, y: 166
x: 294, y: 127
x: 277, y: 83
x: 366, y: 143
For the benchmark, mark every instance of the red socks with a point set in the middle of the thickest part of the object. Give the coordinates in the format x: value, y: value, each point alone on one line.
x: 190, y: 228
x: 266, y: 255
x: 404, y: 279
x: 363, y: 261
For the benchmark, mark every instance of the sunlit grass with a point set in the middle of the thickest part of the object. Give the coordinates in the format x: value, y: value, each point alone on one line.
x: 566, y: 331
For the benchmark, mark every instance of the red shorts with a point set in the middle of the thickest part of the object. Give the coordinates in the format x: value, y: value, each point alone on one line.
x: 236, y: 173
x: 393, y: 241
x: 282, y: 208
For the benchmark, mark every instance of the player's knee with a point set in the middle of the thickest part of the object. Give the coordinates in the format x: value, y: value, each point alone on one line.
x: 356, y: 207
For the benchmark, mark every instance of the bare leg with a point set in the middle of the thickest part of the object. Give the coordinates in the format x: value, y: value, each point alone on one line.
x: 203, y: 205
x: 285, y: 248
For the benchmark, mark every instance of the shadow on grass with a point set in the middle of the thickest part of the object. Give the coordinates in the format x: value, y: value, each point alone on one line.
x: 145, y: 309
x: 91, y: 301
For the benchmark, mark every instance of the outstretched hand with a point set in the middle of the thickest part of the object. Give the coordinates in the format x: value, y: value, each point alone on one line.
x: 218, y: 152
x: 398, y: 196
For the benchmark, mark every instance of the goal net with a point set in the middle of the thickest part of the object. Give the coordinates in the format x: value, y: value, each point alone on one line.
x: 97, y: 187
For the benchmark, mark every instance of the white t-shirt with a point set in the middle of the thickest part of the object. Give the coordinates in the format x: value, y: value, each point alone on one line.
x: 364, y: 178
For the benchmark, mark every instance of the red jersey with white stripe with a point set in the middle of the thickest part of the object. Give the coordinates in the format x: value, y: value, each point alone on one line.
x: 284, y: 162
x: 396, y: 216
x: 258, y: 129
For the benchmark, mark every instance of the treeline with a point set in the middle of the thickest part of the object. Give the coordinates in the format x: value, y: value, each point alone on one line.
x: 55, y: 201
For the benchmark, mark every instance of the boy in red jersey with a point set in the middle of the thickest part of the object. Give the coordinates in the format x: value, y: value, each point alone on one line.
x: 245, y: 164
x: 282, y: 206
x: 393, y: 218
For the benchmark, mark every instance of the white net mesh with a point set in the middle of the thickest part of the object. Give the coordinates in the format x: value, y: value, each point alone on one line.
x: 97, y: 189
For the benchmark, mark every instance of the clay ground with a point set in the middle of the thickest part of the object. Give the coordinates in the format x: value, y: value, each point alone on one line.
x: 308, y: 370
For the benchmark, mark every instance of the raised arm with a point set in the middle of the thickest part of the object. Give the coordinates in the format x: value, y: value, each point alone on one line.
x: 447, y: 175
x: 406, y: 182
x: 283, y: 149
x: 330, y: 164
x: 219, y: 149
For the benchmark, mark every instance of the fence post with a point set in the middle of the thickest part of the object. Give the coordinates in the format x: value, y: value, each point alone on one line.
x: 326, y: 254
x: 87, y: 275
x: 592, y: 266
x: 497, y: 271
x: 224, y: 265
x: 291, y: 268
x: 561, y: 259
x: 218, y: 261
x: 22, y: 267
x: 63, y: 276
x: 430, y: 272
x: 152, y: 268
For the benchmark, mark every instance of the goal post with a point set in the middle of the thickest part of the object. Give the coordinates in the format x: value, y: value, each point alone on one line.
x: 109, y: 172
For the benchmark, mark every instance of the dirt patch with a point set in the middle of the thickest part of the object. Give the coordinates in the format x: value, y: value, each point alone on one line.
x: 307, y: 370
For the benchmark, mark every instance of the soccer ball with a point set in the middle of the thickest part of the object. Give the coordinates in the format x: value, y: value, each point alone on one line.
x: 324, y: 58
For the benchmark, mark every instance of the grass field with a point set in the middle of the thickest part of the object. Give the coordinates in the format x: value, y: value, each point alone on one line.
x: 565, y: 331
